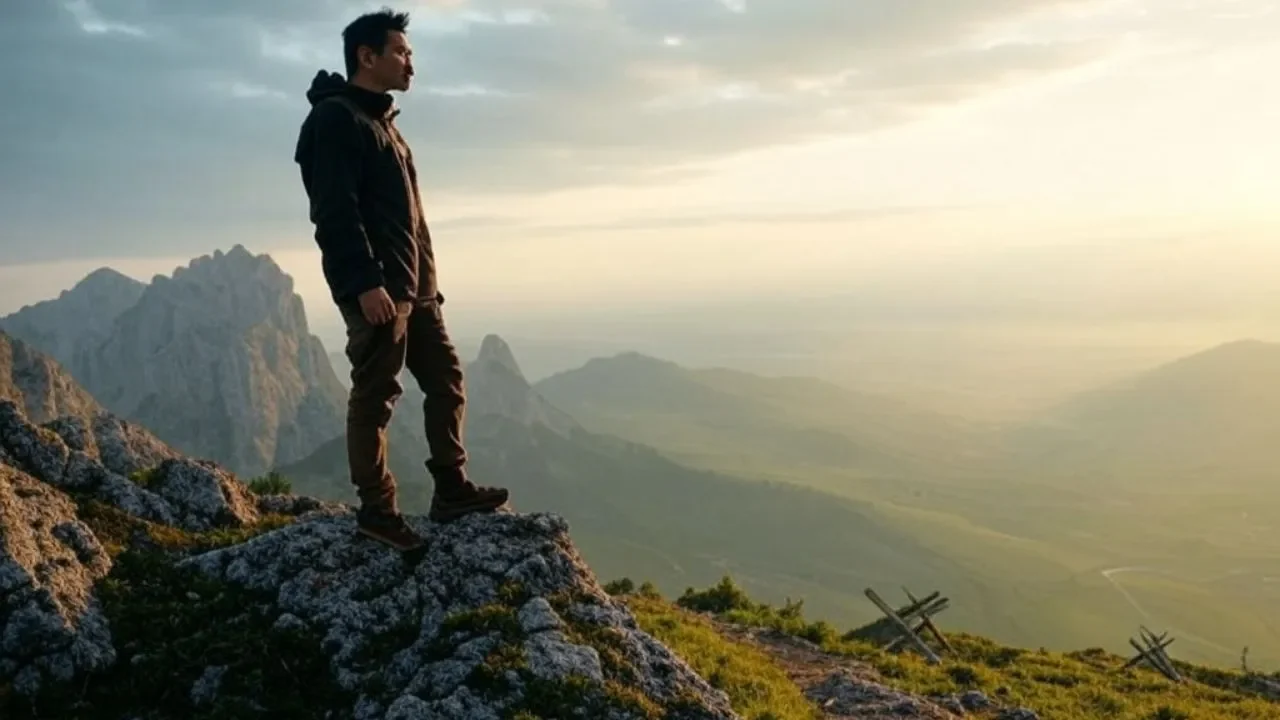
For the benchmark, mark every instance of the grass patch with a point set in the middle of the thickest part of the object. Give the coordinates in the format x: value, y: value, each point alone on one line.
x: 757, y: 687
x: 273, y: 483
x: 1064, y: 686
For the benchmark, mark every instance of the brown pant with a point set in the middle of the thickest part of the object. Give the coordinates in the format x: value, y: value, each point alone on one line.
x: 416, y: 339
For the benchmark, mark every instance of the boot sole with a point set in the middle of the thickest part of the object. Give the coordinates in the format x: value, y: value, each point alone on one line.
x: 402, y: 547
x: 453, y: 512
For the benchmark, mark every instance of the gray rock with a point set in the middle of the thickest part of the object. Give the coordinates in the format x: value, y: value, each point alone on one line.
x: 204, y: 495
x: 205, y: 689
x: 410, y: 637
x: 409, y: 707
x: 293, y: 505
x: 537, y: 615
x: 551, y: 656
x: 41, y: 386
x: 844, y: 693
x: 289, y: 623
x: 191, y: 494
x: 974, y: 700
x: 51, y: 626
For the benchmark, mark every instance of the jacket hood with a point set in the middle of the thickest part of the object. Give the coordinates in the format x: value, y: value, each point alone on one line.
x: 328, y: 84
x: 325, y: 84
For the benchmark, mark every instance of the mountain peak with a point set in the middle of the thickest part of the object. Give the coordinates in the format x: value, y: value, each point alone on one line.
x: 79, y: 317
x: 493, y: 349
x: 237, y: 266
x: 105, y: 279
x: 497, y: 387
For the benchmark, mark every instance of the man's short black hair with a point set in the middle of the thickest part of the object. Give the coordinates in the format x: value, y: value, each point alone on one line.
x: 370, y: 30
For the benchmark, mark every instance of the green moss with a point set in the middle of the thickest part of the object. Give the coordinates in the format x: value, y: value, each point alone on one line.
x: 119, y: 531
x: 145, y: 478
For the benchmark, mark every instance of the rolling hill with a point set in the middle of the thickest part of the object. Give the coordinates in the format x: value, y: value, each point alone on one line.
x: 792, y: 429
x: 1207, y: 421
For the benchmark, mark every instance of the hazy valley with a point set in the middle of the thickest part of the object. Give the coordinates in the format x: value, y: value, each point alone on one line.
x: 1144, y: 500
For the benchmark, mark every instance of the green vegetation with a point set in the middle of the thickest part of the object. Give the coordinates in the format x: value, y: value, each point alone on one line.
x: 273, y: 483
x: 1059, y: 686
x: 145, y: 478
x: 757, y: 687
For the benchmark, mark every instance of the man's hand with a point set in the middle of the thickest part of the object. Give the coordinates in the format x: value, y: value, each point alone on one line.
x: 377, y: 306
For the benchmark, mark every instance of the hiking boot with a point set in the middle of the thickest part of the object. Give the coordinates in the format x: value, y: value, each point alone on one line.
x: 465, y: 499
x: 389, y: 529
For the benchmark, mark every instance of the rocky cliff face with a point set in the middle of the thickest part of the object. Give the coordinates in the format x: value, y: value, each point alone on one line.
x: 139, y: 583
x: 39, y: 384
x: 217, y: 360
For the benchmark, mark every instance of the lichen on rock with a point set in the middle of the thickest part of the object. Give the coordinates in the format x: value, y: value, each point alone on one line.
x: 190, y: 494
x: 51, y: 625
x: 467, y: 629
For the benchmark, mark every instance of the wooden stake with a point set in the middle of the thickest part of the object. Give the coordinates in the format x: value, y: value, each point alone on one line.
x: 903, y: 627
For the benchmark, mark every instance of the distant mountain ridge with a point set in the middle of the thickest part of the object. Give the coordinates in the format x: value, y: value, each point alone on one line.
x: 216, y: 359
x: 1209, y: 418
x: 773, y: 427
x: 79, y: 318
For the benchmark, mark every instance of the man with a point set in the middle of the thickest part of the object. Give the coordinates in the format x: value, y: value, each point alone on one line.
x: 377, y: 258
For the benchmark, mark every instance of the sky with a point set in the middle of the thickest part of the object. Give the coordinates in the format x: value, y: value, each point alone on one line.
x: 1088, y: 160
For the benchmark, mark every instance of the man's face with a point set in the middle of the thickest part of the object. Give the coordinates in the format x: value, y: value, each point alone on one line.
x: 393, y: 69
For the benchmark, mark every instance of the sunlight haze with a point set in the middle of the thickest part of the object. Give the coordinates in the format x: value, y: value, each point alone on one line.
x: 976, y: 298
x: 1093, y: 165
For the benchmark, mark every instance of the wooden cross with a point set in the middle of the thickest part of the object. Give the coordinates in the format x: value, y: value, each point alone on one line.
x: 1154, y: 654
x: 918, y: 609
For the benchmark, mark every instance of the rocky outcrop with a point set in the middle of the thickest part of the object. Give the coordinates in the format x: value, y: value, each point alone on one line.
x: 849, y: 694
x: 181, y: 601
x: 39, y: 384
x: 217, y: 360
x: 135, y: 474
x: 500, y: 615
x: 52, y: 627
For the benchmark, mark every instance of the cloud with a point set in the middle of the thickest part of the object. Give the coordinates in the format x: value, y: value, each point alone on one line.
x: 94, y: 24
x: 150, y: 123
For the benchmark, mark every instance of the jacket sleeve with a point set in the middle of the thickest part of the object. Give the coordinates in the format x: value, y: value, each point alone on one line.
x: 337, y: 148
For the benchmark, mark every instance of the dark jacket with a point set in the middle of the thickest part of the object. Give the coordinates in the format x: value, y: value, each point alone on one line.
x: 359, y: 176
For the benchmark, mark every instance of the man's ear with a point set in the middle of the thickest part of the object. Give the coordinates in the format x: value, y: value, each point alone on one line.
x: 366, y: 56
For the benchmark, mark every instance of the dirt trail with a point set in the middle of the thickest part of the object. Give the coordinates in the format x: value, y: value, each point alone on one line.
x: 843, y: 688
